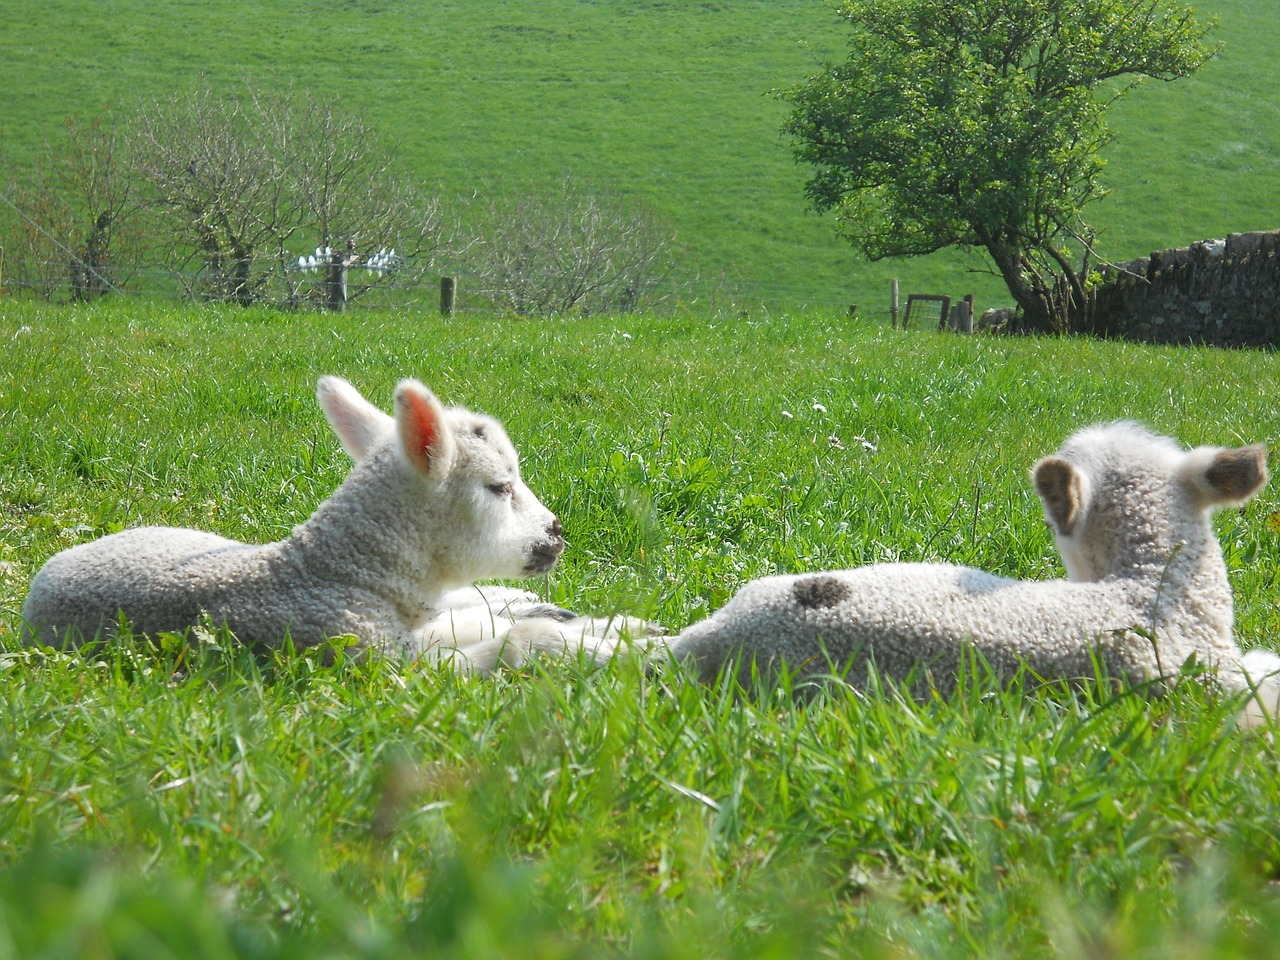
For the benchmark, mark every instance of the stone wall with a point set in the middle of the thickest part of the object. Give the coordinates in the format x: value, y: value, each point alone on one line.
x: 1215, y: 292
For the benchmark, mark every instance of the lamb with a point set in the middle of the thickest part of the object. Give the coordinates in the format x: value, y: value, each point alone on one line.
x: 433, y: 503
x: 1146, y: 587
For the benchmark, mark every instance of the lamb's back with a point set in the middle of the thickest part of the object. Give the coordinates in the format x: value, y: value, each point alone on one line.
x: 909, y: 616
x: 162, y: 579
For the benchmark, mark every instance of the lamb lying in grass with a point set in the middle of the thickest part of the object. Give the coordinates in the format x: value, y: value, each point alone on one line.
x: 1147, y: 587
x: 434, y: 502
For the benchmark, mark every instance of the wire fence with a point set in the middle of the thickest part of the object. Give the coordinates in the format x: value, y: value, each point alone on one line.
x: 410, y: 288
x: 538, y: 285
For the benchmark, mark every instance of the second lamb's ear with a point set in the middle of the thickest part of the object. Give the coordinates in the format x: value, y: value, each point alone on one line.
x: 425, y: 434
x: 360, y: 425
x: 1063, y: 491
x: 1230, y: 477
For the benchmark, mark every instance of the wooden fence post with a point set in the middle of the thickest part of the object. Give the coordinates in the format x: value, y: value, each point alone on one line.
x: 893, y: 303
x: 448, y: 291
x: 336, y: 283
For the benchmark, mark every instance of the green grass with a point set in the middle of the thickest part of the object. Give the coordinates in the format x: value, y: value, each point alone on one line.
x: 201, y: 802
x: 668, y: 101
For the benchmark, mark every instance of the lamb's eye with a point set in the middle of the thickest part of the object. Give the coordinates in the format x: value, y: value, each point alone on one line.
x: 501, y: 489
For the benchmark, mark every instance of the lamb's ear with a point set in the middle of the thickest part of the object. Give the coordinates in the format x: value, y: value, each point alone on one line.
x: 1064, y: 492
x: 425, y: 434
x: 1229, y: 477
x: 357, y: 422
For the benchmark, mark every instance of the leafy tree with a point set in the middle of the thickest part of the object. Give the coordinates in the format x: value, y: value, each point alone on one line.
x: 979, y: 124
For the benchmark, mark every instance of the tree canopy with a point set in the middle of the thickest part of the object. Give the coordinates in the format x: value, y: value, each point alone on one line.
x: 980, y: 124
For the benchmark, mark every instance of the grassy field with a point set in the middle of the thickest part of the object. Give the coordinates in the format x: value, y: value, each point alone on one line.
x: 199, y: 802
x: 668, y: 101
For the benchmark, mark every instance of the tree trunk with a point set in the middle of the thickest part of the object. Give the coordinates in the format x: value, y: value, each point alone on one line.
x: 1034, y: 302
x: 240, y: 289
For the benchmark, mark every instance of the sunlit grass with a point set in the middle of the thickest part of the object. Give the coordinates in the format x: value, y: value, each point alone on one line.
x: 206, y: 802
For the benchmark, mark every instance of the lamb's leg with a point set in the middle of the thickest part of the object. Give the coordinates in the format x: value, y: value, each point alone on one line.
x: 532, y: 637
x: 1261, y: 669
x: 616, y: 627
x: 494, y: 596
x: 598, y: 638
x: 471, y: 616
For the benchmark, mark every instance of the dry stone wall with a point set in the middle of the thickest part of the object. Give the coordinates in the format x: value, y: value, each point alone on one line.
x: 1223, y: 292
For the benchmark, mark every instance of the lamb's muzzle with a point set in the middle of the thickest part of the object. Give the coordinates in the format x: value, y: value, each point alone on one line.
x: 543, y: 556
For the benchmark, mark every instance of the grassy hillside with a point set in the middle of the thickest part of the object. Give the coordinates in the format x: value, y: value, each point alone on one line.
x: 666, y: 100
x: 204, y: 803
x: 1200, y: 158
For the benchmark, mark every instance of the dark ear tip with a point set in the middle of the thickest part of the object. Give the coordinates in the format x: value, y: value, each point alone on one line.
x: 1058, y: 485
x: 1236, y: 475
x: 1050, y: 473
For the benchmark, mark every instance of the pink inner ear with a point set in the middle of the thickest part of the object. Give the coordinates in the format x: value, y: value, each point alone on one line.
x: 424, y: 424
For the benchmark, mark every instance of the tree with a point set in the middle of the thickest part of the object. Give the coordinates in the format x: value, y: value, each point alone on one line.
x: 979, y: 124
x: 576, y: 248
x: 218, y: 187
x: 240, y: 185
x: 72, y: 225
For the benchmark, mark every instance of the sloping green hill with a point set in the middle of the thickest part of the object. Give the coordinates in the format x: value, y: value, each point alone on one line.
x: 666, y: 99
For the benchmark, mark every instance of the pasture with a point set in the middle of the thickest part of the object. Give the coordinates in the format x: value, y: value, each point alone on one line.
x: 197, y: 801
x: 668, y: 102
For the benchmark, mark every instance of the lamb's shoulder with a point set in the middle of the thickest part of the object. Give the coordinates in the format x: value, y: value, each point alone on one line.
x: 271, y: 595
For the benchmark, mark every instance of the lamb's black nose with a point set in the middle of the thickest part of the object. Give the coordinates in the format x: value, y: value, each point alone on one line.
x: 544, y: 556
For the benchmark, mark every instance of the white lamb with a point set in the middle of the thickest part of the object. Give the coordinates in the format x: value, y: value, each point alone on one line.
x: 1147, y: 587
x: 434, y: 502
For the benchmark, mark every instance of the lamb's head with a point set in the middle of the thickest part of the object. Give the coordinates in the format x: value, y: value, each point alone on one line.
x: 453, y: 479
x: 1122, y: 500
x: 507, y: 519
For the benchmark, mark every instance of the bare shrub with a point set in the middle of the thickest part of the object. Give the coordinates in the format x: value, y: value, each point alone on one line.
x: 354, y: 197
x: 217, y: 189
x: 570, y: 249
x: 71, y: 227
x: 241, y: 186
